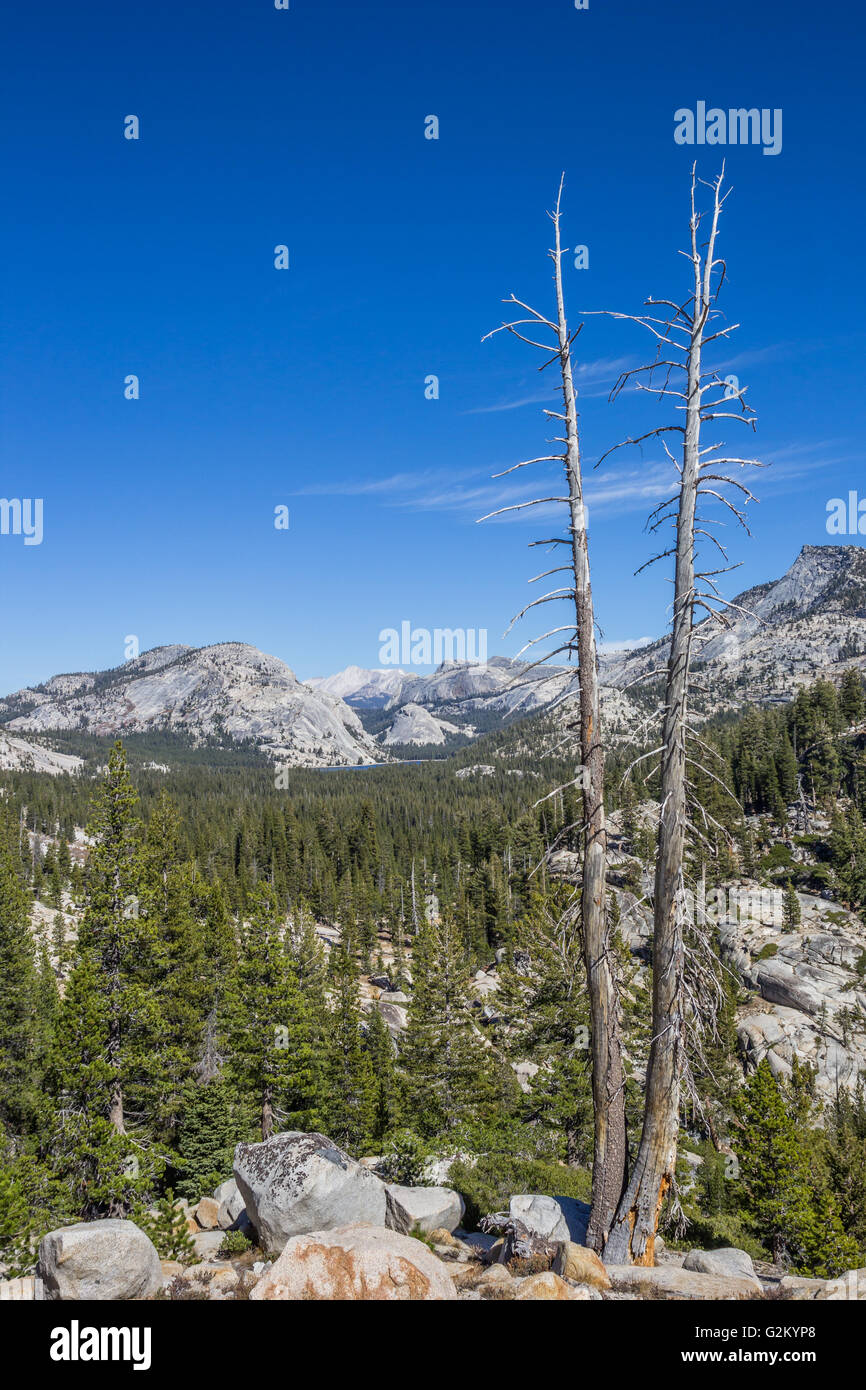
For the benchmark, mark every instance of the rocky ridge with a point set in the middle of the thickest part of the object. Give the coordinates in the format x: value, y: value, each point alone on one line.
x: 230, y: 691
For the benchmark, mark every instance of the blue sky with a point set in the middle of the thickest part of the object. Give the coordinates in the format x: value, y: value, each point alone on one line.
x: 305, y: 387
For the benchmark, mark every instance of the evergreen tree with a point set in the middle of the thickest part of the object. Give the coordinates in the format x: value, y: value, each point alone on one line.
x: 177, y: 968
x: 349, y: 1080
x: 851, y: 701
x: 846, y: 1162
x: 271, y: 1062
x: 21, y: 1038
x: 790, y: 1210
x: 451, y: 1073
x: 116, y: 944
x: 387, y: 1099
x: 543, y: 997
x: 206, y: 1137
x: 791, y: 911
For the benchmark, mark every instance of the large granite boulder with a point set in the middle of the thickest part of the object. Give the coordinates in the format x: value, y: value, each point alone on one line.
x: 99, y: 1260
x: 225, y: 1192
x: 729, y: 1262
x: 206, y: 1213
x: 666, y: 1281
x: 846, y: 1287
x: 554, y: 1218
x: 232, y: 1212
x: 580, y: 1264
x: 430, y: 1208
x: 540, y: 1215
x: 535, y: 1226
x: 358, y: 1261
x: 295, y: 1183
x: 549, y: 1286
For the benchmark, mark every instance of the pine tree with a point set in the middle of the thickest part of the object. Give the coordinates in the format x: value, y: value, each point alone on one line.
x: 451, y: 1074
x: 177, y: 970
x: 791, y: 911
x: 206, y: 1138
x: 387, y: 1098
x: 166, y: 1226
x: 271, y: 1062
x: 104, y: 1171
x: 851, y: 701
x: 102, y: 1060
x: 16, y: 1226
x: 349, y: 1080
x: 21, y: 1037
x: 790, y: 1210
x: 543, y: 998
x: 116, y: 944
x: 846, y: 1162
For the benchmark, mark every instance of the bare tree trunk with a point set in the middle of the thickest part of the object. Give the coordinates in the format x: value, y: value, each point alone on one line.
x: 633, y: 1235
x: 610, y: 1140
x: 608, y: 1093
x: 115, y: 1102
x: 267, y: 1114
x: 113, y: 1048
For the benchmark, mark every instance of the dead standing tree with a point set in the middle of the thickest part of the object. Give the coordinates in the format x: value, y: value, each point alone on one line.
x: 681, y: 339
x: 609, y: 1155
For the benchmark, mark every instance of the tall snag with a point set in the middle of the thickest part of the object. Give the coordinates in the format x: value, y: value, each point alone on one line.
x: 609, y: 1155
x: 681, y: 339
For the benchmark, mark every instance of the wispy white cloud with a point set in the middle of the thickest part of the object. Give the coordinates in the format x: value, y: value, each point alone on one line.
x: 592, y: 379
x: 617, y: 489
x: 624, y: 644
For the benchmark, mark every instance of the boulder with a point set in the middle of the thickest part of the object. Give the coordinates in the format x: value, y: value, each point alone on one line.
x: 847, y: 1287
x: 494, y: 1279
x: 295, y: 1183
x: 666, y: 1281
x: 436, y: 1170
x: 102, y: 1260
x: 799, y: 1288
x: 582, y: 1265
x: 394, y: 1017
x: 207, y: 1213
x: 215, y: 1282
x: 225, y: 1191
x: 851, y: 1285
x: 551, y: 1218
x: 729, y: 1262
x: 541, y: 1216
x: 232, y: 1212
x: 430, y: 1207
x: 206, y: 1244
x: 548, y: 1286
x: 358, y: 1262
x: 440, y: 1235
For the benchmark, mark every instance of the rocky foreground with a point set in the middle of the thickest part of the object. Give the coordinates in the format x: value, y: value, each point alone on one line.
x: 322, y: 1226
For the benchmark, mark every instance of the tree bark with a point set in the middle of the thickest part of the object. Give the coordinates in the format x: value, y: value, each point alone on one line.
x: 610, y: 1141
x: 634, y: 1231
x: 267, y: 1115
